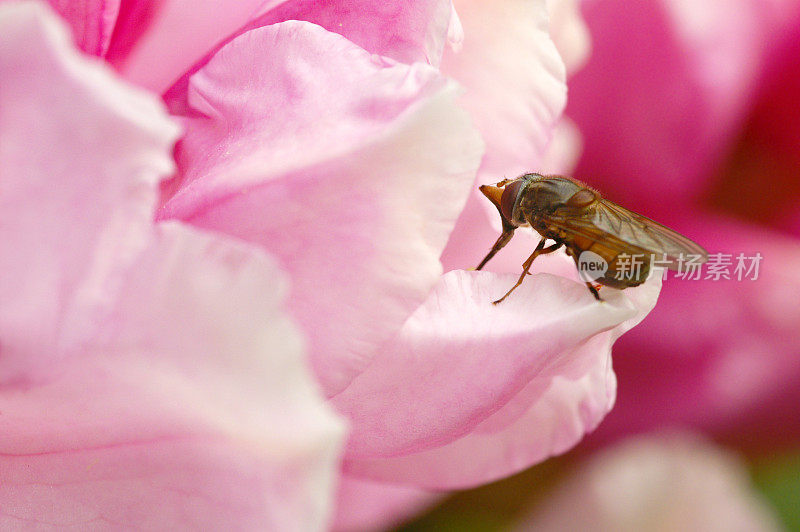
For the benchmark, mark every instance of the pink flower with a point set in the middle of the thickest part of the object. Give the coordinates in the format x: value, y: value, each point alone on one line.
x: 150, y: 375
x: 660, y: 104
x: 336, y: 138
x: 659, y: 482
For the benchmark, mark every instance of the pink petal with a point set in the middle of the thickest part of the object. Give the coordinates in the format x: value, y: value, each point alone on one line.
x: 366, y: 505
x: 452, y: 410
x: 406, y: 31
x: 352, y: 180
x: 91, y: 21
x: 179, y: 33
x: 736, y: 370
x: 563, y: 152
x: 187, y: 402
x: 534, y: 425
x: 569, y: 33
x: 767, y: 146
x: 514, y: 80
x: 667, y: 482
x: 133, y: 21
x: 515, y: 92
x: 664, y: 123
x: 80, y: 157
x: 195, y: 411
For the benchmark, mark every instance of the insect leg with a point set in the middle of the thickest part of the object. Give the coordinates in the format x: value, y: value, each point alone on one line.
x: 505, y: 237
x: 589, y: 285
x: 594, y: 291
x: 540, y: 250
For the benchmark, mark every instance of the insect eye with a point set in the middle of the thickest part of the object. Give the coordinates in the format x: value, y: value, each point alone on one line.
x: 581, y: 198
x: 509, y: 198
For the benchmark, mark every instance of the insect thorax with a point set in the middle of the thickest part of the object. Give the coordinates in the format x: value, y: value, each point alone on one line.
x: 542, y: 196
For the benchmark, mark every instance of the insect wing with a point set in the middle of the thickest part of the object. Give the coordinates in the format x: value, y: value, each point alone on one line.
x: 628, y: 232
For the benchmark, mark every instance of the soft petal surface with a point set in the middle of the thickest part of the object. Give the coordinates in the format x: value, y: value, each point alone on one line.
x: 569, y: 33
x: 661, y: 483
x: 151, y: 377
x: 79, y: 158
x: 351, y: 169
x: 196, y: 411
x: 178, y: 34
x: 665, y: 122
x: 563, y: 152
x: 363, y: 505
x: 426, y: 401
x: 514, y: 80
x: 408, y: 31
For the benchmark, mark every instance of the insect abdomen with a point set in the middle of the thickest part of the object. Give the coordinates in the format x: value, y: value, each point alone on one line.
x: 624, y: 269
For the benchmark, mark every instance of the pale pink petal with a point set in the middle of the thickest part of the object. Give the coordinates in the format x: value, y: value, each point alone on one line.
x: 151, y: 378
x: 514, y: 80
x: 667, y: 482
x: 569, y: 33
x: 735, y: 370
x: 455, y: 30
x: 407, y: 30
x: 364, y: 505
x: 79, y: 159
x: 351, y: 169
x: 179, y: 33
x: 563, y: 152
x: 425, y: 389
x: 567, y: 387
x: 534, y: 425
x: 665, y: 87
x: 196, y: 410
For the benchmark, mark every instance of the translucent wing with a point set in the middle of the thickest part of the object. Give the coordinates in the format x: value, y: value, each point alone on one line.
x: 621, y: 230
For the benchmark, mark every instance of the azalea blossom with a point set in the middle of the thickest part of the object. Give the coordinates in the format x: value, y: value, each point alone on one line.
x: 323, y: 177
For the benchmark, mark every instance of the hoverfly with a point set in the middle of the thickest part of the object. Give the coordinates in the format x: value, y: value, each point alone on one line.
x: 573, y: 215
